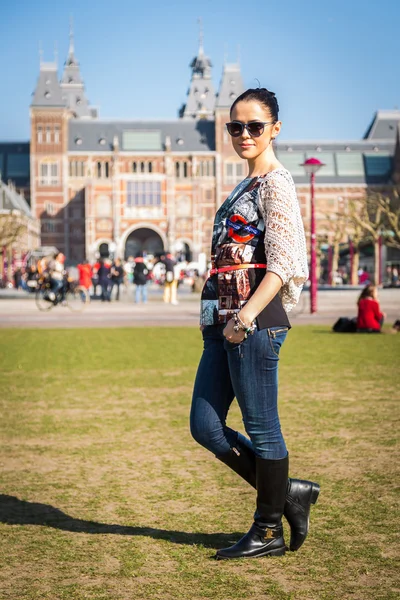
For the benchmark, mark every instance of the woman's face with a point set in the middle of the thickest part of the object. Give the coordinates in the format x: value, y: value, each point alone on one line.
x: 246, y: 146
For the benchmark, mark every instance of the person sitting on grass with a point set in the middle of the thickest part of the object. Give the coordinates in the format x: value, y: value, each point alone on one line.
x: 370, y: 318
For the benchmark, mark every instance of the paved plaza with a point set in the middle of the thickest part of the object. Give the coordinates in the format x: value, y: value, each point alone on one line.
x: 18, y: 309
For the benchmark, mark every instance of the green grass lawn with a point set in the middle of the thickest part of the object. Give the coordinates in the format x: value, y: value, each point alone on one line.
x: 104, y: 495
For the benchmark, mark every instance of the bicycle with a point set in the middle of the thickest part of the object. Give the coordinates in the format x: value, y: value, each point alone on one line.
x: 72, y: 295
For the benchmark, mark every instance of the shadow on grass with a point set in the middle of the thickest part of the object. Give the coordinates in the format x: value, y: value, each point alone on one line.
x: 19, y: 512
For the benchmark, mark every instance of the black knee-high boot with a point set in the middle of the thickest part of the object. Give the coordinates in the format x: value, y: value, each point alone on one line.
x: 265, y: 537
x: 299, y: 494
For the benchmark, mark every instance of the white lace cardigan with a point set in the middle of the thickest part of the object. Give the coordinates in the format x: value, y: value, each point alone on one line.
x: 285, y: 244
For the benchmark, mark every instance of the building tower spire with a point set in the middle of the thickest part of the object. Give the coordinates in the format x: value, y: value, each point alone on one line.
x: 201, y: 36
x: 72, y: 83
x: 71, y: 49
x: 201, y: 96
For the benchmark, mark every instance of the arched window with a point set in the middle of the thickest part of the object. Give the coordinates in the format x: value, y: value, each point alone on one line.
x: 185, y: 169
x: 98, y: 167
x: 107, y: 169
x: 177, y: 170
x: 142, y: 167
x: 150, y: 167
x: 134, y: 167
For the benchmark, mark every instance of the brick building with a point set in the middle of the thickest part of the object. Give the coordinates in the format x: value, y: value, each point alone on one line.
x: 119, y: 186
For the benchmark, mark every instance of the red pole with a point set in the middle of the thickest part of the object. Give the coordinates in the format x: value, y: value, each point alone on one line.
x: 330, y: 258
x: 313, y: 270
x: 351, y: 253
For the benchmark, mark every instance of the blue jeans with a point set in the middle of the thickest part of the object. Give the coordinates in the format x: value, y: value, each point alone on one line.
x: 56, y: 285
x: 141, y: 290
x: 249, y: 371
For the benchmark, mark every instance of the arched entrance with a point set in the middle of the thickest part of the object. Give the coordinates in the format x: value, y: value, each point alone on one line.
x: 143, y: 240
x: 103, y: 250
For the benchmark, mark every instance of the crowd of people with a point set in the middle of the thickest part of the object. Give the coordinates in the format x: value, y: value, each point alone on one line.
x: 105, y: 279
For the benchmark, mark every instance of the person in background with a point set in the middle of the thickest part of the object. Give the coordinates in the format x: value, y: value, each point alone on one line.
x: 128, y: 270
x: 370, y: 317
x: 395, y: 277
x: 171, y: 280
x: 17, y: 278
x: 85, y: 275
x: 56, y: 271
x: 364, y: 277
x: 95, y: 276
x: 140, y: 277
x: 117, y: 275
x: 105, y: 280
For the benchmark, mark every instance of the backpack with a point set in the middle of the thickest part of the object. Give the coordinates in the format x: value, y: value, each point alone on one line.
x: 345, y: 325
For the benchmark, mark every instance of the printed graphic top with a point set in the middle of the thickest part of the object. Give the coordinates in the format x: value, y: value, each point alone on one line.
x: 260, y: 223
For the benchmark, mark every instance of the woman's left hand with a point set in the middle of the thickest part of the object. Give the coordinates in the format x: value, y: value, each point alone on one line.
x: 235, y: 337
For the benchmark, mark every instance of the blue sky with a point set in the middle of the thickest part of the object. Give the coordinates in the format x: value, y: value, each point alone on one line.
x: 331, y: 64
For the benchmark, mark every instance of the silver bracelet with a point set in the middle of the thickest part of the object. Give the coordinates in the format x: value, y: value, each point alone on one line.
x: 240, y: 326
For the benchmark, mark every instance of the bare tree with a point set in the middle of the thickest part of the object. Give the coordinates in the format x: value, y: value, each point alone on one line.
x: 357, y: 235
x: 12, y: 228
x: 369, y: 216
x: 390, y: 207
x: 337, y: 227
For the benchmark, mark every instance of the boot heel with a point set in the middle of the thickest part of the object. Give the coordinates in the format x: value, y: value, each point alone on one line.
x: 277, y: 552
x: 315, y: 489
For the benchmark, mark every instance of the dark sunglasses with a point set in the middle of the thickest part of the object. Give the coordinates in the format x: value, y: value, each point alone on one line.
x: 254, y: 128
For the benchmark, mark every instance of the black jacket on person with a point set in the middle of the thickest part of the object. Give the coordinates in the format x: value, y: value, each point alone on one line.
x: 104, y: 274
x: 120, y: 274
x: 140, y: 272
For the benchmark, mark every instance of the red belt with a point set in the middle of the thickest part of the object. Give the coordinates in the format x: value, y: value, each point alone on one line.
x: 237, y: 268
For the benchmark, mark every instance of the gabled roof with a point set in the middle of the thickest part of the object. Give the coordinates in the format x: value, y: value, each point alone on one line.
x: 48, y: 90
x: 383, y: 125
x: 11, y: 200
x: 184, y: 135
x: 231, y: 85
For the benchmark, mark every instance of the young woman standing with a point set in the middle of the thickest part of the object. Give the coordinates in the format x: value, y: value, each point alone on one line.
x: 259, y: 266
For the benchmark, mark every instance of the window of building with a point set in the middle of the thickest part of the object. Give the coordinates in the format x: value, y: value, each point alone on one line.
x: 98, y: 170
x: 106, y: 170
x: 48, y: 134
x: 49, y: 227
x: 234, y: 172
x: 76, y: 168
x: 350, y: 164
x: 49, y: 173
x: 50, y: 208
x: 142, y: 167
x: 150, y: 167
x: 141, y: 140
x: 206, y: 168
x: 56, y: 134
x: 143, y: 193
x: 378, y: 165
x: 292, y: 161
x: 181, y: 170
x: 18, y: 165
x: 39, y: 134
x: 134, y: 167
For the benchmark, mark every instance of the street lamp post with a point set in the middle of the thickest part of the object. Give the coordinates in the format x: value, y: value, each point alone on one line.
x: 311, y: 166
